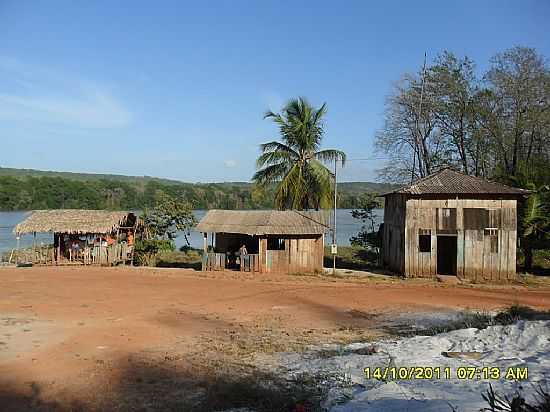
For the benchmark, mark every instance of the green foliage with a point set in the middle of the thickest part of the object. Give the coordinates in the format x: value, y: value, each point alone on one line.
x: 368, y: 236
x: 534, y: 223
x: 86, y: 191
x: 296, y: 164
x: 496, y: 125
x: 167, y: 217
x: 146, y: 251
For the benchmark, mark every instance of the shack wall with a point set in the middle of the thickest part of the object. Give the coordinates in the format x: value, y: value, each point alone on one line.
x: 486, y: 250
x: 300, y: 254
x: 393, y: 253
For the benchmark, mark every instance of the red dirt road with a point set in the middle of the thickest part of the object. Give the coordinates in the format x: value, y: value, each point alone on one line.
x: 66, y: 333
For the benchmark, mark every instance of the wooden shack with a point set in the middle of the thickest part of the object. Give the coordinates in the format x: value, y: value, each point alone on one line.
x: 86, y: 237
x: 275, y: 241
x: 449, y: 223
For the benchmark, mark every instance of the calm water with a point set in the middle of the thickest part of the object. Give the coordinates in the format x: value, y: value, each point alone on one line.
x: 346, y: 227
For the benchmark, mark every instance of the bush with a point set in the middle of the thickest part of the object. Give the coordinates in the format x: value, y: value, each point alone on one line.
x: 146, y: 251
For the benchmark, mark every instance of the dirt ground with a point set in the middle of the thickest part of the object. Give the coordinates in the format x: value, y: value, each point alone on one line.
x: 158, y: 339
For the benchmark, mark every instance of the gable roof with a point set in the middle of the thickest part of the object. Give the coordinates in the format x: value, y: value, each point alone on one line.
x: 73, y: 221
x: 448, y: 181
x: 265, y: 222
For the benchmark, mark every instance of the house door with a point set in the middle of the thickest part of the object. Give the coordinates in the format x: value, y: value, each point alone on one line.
x: 446, y: 255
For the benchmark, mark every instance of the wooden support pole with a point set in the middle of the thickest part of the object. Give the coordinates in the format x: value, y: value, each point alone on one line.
x: 17, y: 256
x: 205, y: 250
x: 259, y: 254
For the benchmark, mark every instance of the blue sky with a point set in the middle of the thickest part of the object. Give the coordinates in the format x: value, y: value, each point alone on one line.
x: 178, y: 89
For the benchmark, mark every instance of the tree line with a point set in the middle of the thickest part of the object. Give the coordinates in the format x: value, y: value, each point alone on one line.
x: 32, y: 193
x: 495, y: 124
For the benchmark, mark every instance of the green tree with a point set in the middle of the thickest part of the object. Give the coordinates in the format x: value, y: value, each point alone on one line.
x: 454, y: 87
x: 368, y: 236
x: 534, y: 223
x: 296, y: 164
x: 169, y: 216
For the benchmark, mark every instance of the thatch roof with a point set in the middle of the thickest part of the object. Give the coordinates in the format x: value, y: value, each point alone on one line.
x: 265, y: 222
x: 72, y: 221
x: 450, y: 182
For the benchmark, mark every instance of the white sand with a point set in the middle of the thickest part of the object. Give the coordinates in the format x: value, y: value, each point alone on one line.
x: 524, y: 344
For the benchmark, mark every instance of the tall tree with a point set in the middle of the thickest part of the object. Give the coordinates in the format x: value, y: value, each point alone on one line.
x: 498, y: 128
x: 297, y: 163
x: 408, y: 135
x: 516, y: 112
x: 454, y: 86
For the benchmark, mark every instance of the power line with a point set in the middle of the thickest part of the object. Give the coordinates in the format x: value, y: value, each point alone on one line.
x: 360, y: 159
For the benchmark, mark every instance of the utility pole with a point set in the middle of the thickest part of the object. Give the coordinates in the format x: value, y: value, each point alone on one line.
x: 417, y: 136
x: 333, y: 247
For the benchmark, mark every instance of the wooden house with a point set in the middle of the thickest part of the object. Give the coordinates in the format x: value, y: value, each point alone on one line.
x: 275, y: 241
x: 449, y: 223
x: 80, y: 237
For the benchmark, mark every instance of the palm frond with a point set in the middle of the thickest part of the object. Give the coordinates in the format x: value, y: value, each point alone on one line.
x: 270, y: 158
x: 296, y: 163
x: 277, y: 146
x: 322, y: 181
x: 330, y: 155
x: 270, y: 174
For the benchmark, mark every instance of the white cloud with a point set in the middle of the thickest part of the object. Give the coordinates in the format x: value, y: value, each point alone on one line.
x: 41, y: 95
x: 230, y: 163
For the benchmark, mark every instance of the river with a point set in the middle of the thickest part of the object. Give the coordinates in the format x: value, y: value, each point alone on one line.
x: 347, y: 227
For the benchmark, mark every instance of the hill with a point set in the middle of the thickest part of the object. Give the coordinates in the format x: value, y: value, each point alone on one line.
x: 25, y: 189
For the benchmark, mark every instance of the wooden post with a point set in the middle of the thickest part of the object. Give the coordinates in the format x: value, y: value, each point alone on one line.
x: 59, y: 239
x: 205, y: 250
x: 17, y: 256
x: 259, y: 254
x: 334, y: 223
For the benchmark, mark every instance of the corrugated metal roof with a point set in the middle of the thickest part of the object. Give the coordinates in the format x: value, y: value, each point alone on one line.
x: 448, y: 181
x: 265, y: 222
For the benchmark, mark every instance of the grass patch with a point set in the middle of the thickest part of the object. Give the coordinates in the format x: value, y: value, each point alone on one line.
x: 478, y: 320
x: 183, y: 258
x: 262, y: 392
x: 352, y: 257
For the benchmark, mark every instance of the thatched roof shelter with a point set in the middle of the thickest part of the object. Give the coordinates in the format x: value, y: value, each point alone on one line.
x: 265, y: 222
x: 73, y: 221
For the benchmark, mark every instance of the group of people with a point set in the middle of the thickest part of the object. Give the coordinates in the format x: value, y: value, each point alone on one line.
x: 76, y: 245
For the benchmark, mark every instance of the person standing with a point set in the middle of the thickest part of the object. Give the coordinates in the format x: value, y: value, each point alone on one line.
x: 244, y: 257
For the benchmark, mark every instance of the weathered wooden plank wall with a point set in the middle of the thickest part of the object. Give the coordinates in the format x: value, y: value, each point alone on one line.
x: 485, y: 230
x: 301, y: 254
x: 394, y: 235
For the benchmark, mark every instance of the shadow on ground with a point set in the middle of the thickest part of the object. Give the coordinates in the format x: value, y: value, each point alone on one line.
x: 170, y: 385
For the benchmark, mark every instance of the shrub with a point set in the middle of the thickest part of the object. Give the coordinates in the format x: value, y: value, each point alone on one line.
x: 146, y: 251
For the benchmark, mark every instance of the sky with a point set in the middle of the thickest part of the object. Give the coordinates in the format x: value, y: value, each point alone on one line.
x: 178, y: 89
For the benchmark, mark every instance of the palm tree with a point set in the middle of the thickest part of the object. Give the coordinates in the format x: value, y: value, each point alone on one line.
x: 535, y: 223
x: 297, y: 164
